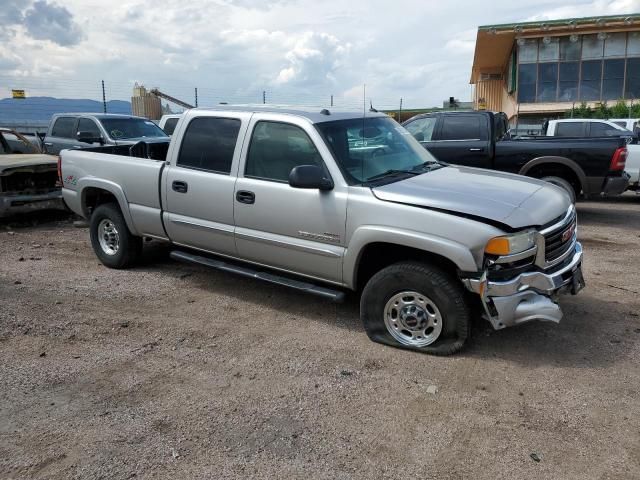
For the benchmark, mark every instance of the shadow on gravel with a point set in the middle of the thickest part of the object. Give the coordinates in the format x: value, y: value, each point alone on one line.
x: 591, y: 334
x: 622, y: 212
x: 290, y: 302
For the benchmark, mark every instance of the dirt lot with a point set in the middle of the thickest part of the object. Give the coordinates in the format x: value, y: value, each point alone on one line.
x: 174, y: 371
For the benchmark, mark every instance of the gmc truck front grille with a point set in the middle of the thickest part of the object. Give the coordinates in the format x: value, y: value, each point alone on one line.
x: 560, y: 240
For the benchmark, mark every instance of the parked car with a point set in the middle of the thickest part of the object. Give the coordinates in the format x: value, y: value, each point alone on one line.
x: 28, y: 178
x: 584, y: 166
x: 601, y: 128
x: 277, y: 195
x: 79, y: 130
x: 168, y: 122
x: 631, y: 124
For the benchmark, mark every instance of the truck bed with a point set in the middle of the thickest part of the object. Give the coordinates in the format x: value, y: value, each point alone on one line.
x: 133, y: 178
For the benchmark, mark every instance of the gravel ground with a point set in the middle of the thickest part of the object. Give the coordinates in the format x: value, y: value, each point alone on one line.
x: 174, y: 371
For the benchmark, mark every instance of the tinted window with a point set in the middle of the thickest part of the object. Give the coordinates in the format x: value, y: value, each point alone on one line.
x: 570, y: 129
x: 88, y: 125
x: 18, y: 145
x: 591, y: 77
x: 170, y: 125
x: 276, y: 148
x: 603, y: 130
x: 462, y: 127
x: 63, y: 127
x: 547, y: 82
x: 568, y: 81
x: 613, y: 79
x: 422, y: 128
x: 633, y: 78
x: 209, y: 143
x: 527, y: 82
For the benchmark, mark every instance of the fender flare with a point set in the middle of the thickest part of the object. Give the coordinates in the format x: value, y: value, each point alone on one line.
x: 456, y: 252
x: 115, y: 190
x: 535, y: 162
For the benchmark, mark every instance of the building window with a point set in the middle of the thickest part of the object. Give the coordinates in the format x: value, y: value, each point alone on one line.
x: 527, y: 83
x: 568, y: 84
x: 591, y: 79
x: 547, y: 82
x: 633, y: 78
x: 579, y: 68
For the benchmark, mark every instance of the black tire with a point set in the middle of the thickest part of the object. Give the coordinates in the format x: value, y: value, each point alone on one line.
x: 440, y: 287
x: 562, y: 183
x: 129, y: 246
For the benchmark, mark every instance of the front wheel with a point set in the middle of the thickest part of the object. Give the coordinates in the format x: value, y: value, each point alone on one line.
x: 416, y: 306
x: 111, y: 240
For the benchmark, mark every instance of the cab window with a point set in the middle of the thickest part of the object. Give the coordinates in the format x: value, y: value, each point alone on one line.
x: 209, y: 143
x: 276, y: 149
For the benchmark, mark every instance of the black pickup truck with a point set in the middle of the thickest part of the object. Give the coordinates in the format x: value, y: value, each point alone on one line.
x: 582, y: 166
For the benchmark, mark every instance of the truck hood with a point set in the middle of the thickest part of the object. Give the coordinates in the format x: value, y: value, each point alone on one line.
x: 24, y: 160
x: 508, y: 199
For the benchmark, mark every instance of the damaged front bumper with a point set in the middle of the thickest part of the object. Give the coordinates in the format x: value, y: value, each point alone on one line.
x: 530, y: 295
x: 18, y: 204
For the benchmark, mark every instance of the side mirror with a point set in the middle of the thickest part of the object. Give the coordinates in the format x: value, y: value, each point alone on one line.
x: 419, y: 136
x: 89, y: 137
x: 309, y: 176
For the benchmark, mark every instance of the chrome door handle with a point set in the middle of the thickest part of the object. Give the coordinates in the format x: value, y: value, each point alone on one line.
x: 475, y: 149
x: 48, y: 144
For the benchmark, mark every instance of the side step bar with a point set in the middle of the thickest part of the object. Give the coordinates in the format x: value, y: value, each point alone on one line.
x: 246, y: 271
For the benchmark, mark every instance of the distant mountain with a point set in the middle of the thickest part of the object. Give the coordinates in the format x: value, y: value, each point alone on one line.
x: 40, y: 109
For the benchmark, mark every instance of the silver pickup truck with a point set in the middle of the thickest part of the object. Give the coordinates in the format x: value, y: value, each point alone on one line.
x: 325, y: 202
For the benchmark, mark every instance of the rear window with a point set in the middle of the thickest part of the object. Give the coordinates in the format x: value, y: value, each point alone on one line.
x: 463, y: 127
x: 570, y: 129
x: 599, y: 129
x: 170, y: 125
x: 209, y: 143
x: 63, y: 127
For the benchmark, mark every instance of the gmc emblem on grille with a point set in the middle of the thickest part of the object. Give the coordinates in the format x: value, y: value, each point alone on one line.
x: 568, y: 233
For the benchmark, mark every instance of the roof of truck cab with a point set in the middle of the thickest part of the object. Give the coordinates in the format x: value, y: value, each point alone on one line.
x: 314, y: 115
x: 96, y: 115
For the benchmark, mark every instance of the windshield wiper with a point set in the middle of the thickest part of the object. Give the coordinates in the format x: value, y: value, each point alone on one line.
x: 426, y: 167
x: 392, y: 172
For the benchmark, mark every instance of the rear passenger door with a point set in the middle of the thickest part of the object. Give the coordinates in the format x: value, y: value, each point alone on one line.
x: 462, y: 140
x: 62, y: 135
x: 200, y: 185
x: 293, y: 229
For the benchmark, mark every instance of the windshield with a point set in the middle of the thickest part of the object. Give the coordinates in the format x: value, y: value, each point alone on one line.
x: 373, y: 147
x: 124, y: 128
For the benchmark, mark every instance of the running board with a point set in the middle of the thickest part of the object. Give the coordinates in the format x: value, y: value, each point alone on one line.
x: 246, y: 271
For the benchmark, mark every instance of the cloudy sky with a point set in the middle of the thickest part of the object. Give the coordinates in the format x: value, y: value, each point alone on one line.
x: 299, y: 51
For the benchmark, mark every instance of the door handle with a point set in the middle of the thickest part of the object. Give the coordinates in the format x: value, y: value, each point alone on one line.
x: 243, y: 196
x: 179, y: 186
x: 48, y: 144
x: 476, y: 149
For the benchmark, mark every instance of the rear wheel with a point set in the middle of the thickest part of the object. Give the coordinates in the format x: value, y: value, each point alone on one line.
x: 416, y: 306
x: 564, y: 184
x: 111, y: 240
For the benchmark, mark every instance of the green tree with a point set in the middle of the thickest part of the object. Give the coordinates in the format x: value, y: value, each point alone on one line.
x: 619, y: 110
x: 601, y: 111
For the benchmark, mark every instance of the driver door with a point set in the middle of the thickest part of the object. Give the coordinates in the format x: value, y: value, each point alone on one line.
x: 293, y: 229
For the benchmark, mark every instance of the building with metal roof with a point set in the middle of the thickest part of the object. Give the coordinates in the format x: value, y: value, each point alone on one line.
x: 537, y: 70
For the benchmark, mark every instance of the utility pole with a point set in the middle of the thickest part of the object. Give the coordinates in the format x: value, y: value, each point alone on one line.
x: 104, y: 99
x: 400, y: 112
x: 332, y: 100
x: 196, y: 89
x: 264, y: 96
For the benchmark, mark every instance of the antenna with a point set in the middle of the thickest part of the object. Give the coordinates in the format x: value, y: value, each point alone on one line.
x: 364, y: 114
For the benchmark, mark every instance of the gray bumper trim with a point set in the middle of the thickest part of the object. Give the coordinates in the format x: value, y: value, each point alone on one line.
x: 527, y: 297
x: 615, y: 185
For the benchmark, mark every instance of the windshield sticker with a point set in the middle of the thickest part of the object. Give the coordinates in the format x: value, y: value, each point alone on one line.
x: 116, y: 133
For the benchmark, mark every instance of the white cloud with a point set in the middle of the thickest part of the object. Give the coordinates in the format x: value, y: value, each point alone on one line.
x: 299, y: 51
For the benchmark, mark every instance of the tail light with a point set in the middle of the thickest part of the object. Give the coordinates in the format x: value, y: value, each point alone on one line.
x: 619, y: 159
x: 60, y: 170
